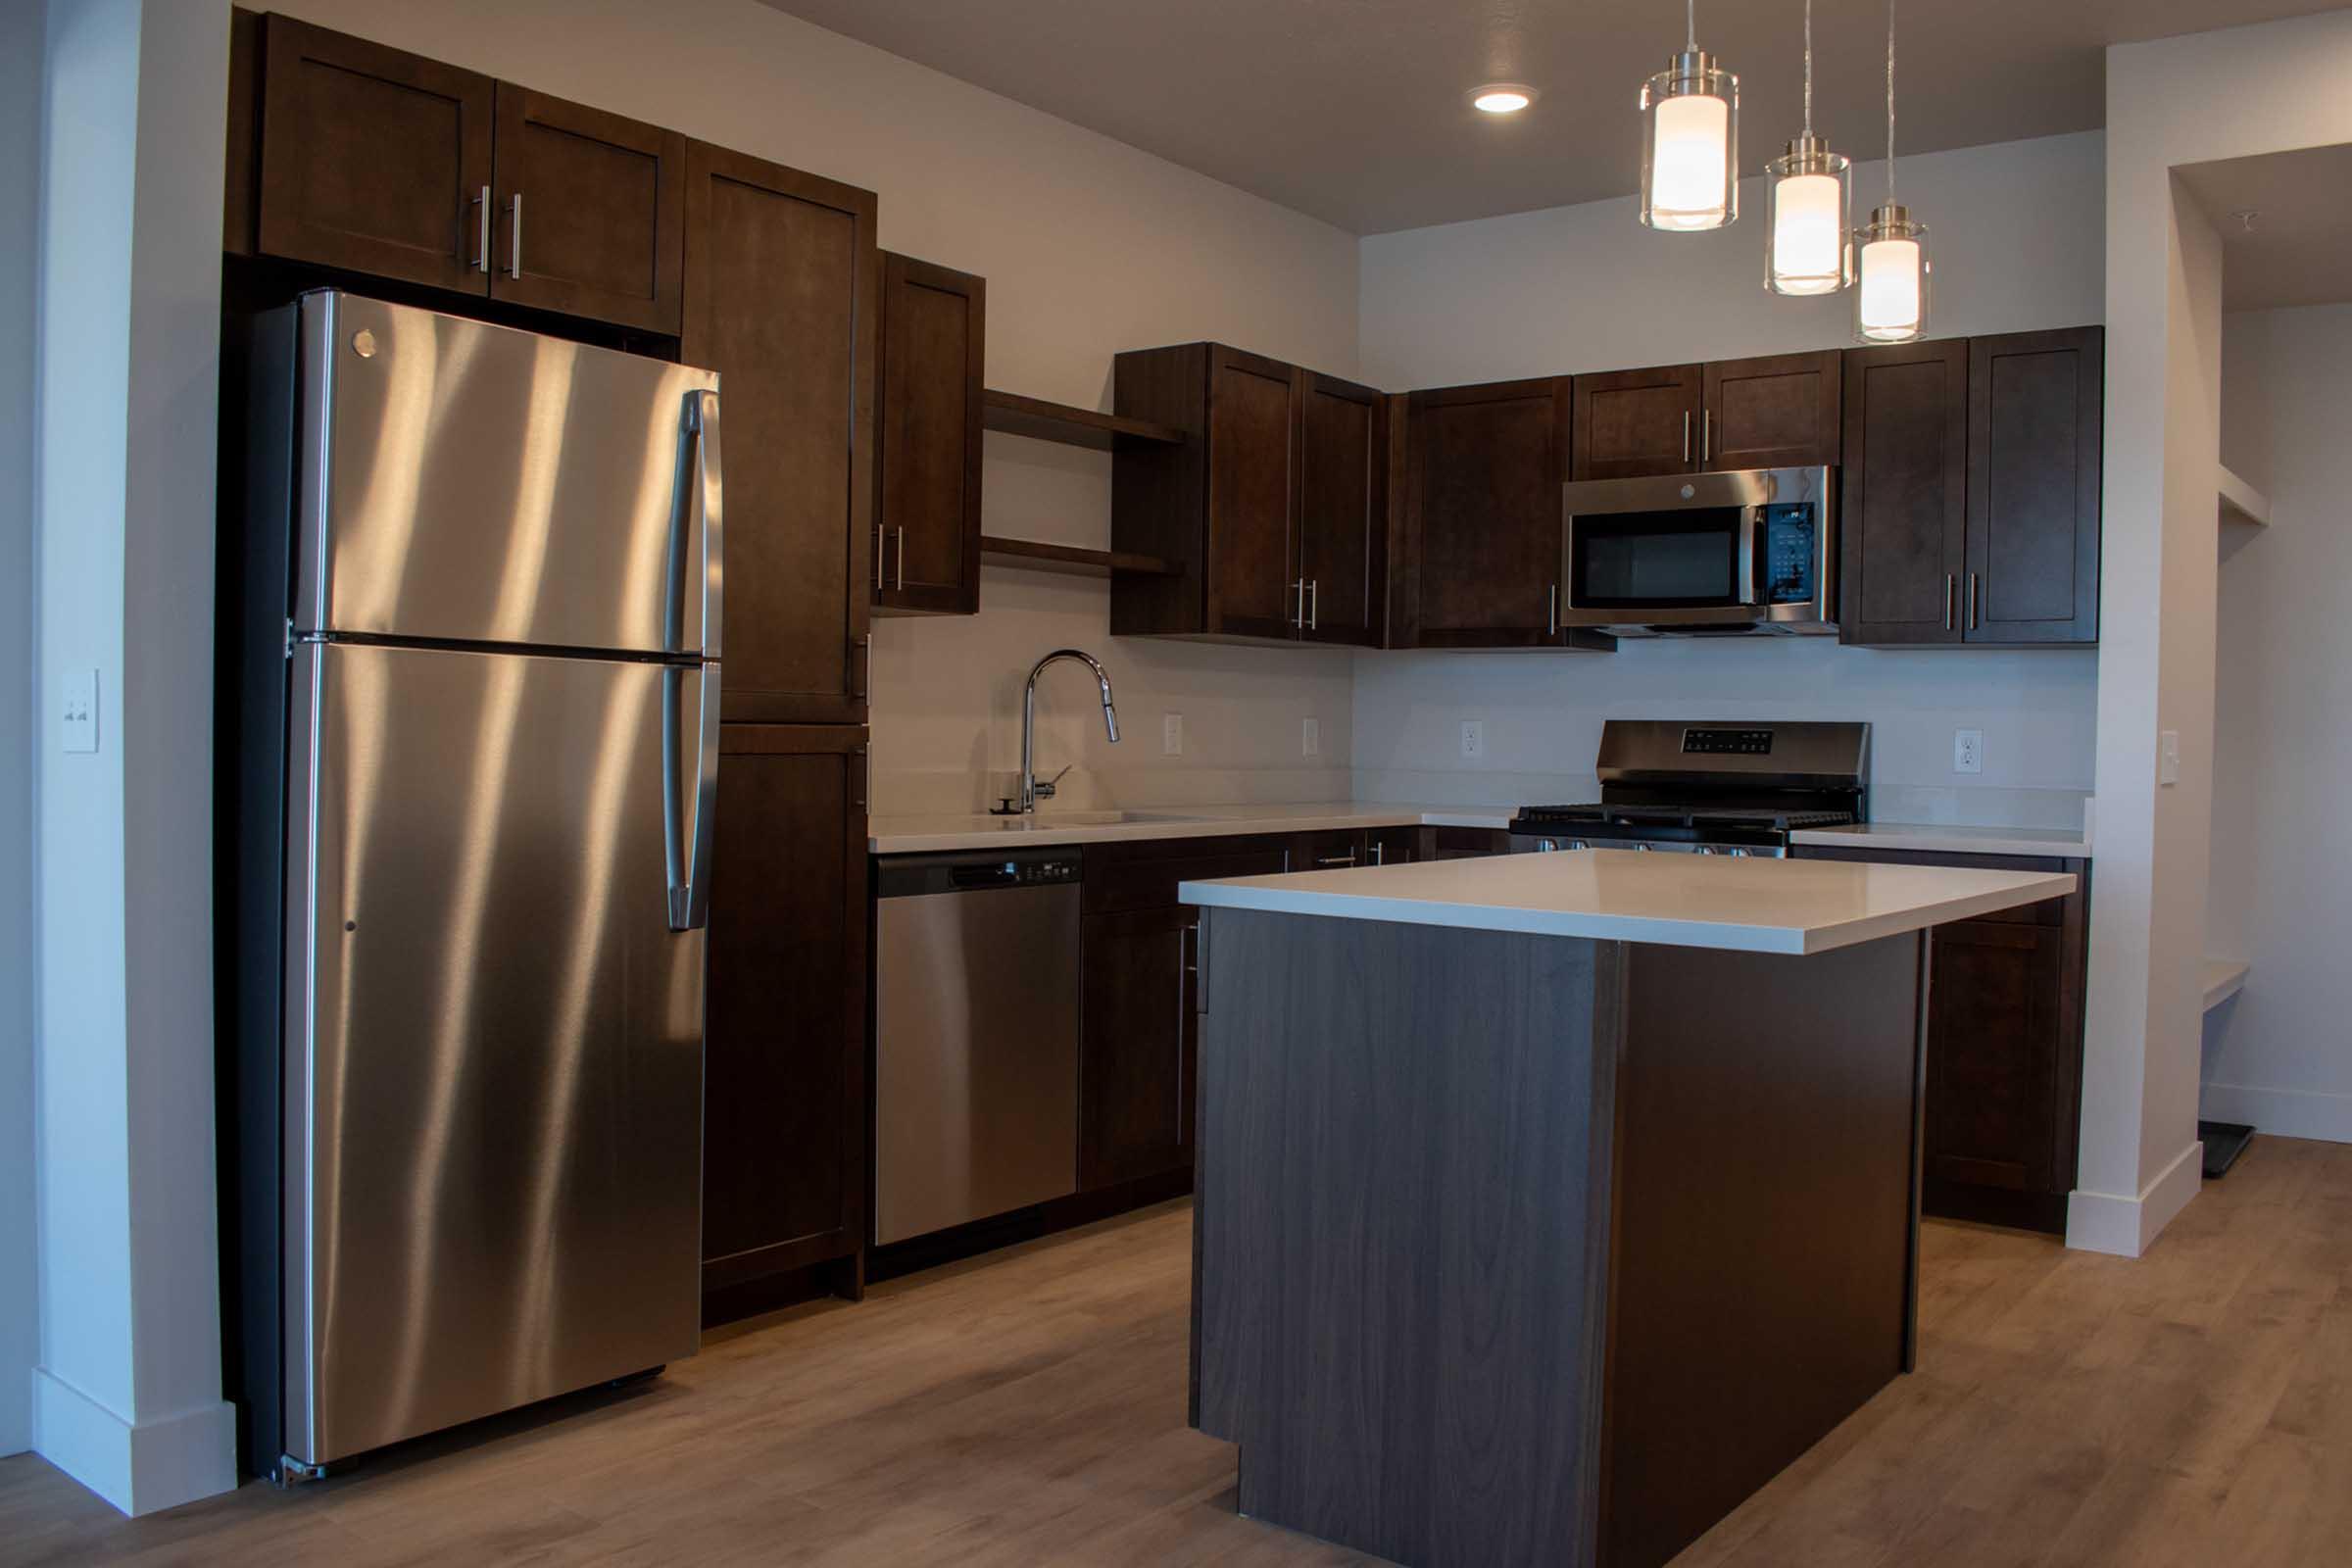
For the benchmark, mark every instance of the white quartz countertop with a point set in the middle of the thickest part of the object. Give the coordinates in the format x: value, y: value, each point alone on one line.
x: 1688, y: 901
x: 1948, y: 838
x: 913, y: 835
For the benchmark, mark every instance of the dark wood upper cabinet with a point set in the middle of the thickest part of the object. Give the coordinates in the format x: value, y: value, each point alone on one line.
x: 591, y: 211
x: 1635, y: 422
x: 1902, y: 510
x: 784, y: 1140
x: 782, y: 275
x: 1253, y: 407
x: 929, y: 391
x: 1273, y: 510
x: 1343, y: 510
x: 1479, y: 552
x: 2033, y: 477
x: 1778, y: 411
x: 372, y: 160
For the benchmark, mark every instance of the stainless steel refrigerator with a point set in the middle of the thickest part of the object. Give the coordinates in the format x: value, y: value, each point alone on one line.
x: 478, y: 604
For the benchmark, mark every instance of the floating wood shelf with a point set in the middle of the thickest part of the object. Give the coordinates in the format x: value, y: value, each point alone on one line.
x: 2224, y: 978
x: 1014, y: 415
x: 1071, y: 558
x: 2242, y: 502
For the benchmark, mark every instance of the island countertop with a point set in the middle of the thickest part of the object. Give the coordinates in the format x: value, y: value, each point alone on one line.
x: 1691, y: 900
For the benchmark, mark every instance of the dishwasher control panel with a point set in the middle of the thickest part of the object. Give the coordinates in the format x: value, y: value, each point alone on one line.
x: 1014, y: 874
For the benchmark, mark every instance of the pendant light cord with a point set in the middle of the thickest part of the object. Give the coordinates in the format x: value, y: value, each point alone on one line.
x: 1890, y: 103
x: 1691, y: 25
x: 1808, y: 70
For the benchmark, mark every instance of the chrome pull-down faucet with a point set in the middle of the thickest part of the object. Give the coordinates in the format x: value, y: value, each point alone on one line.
x: 1031, y: 790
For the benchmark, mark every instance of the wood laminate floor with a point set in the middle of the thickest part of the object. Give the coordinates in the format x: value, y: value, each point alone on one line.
x: 2191, y: 1407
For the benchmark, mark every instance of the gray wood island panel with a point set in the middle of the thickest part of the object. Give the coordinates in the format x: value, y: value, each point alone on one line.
x: 1518, y: 1249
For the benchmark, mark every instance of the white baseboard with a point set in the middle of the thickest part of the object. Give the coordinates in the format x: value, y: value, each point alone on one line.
x: 140, y: 1467
x: 2111, y: 1223
x: 2286, y: 1112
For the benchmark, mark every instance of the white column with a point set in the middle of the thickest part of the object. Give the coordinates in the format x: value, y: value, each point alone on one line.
x: 127, y: 1396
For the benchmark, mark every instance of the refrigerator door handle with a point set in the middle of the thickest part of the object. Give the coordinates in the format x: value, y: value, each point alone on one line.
x: 699, y: 487
x: 687, y: 844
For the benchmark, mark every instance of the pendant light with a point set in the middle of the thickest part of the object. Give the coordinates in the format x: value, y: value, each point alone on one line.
x: 1808, y: 207
x: 1892, y: 305
x: 1691, y: 140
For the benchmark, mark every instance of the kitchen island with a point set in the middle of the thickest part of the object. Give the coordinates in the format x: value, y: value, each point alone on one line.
x: 1549, y: 1205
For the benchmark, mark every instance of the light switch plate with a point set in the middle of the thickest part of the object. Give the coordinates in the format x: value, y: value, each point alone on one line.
x: 1310, y: 738
x: 1171, y: 734
x: 1968, y: 751
x: 2168, y: 758
x: 78, y: 712
x: 1474, y: 738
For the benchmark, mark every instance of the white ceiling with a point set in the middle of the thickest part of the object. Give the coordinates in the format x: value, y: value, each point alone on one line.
x: 2298, y: 249
x: 1354, y: 110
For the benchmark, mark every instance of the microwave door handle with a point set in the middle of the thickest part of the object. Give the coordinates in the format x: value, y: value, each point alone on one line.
x: 1751, y: 525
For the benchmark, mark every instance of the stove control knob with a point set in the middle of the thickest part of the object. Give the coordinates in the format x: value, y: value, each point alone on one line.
x: 1644, y: 847
x: 1708, y: 849
x: 1735, y: 852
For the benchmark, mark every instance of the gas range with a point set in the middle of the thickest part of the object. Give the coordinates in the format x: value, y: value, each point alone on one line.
x: 1709, y: 789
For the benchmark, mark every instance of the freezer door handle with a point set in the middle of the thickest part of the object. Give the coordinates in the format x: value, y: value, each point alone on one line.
x: 700, y: 489
x: 686, y: 841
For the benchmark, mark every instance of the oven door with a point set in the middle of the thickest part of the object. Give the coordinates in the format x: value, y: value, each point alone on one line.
x: 1700, y: 551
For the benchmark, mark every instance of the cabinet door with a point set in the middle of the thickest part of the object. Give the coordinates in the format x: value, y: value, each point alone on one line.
x: 1343, y: 510
x: 591, y: 211
x: 372, y: 160
x: 1903, y: 511
x: 784, y: 1109
x: 781, y: 278
x: 1140, y: 1043
x: 1391, y: 846
x: 1778, y: 411
x: 1252, y: 552
x: 1993, y: 1040
x: 2033, y: 439
x: 1635, y: 422
x: 927, y: 544
x: 1483, y: 515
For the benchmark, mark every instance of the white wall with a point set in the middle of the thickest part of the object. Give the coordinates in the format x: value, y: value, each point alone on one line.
x: 1089, y: 247
x: 128, y: 1394
x: 2235, y: 93
x: 19, y: 213
x: 2015, y: 235
x: 2278, y: 1056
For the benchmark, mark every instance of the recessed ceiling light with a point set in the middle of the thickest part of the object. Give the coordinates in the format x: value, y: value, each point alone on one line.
x: 1503, y: 97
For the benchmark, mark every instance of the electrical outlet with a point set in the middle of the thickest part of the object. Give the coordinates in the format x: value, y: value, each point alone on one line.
x: 1310, y: 738
x: 78, y: 712
x: 1968, y: 751
x: 2168, y: 758
x: 1474, y: 738
x: 1171, y: 734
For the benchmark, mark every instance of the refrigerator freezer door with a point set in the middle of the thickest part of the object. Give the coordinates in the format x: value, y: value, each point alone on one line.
x: 493, y: 1102
x: 473, y: 483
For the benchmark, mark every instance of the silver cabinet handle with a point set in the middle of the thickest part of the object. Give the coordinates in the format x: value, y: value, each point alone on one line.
x: 481, y: 245
x: 1950, y: 592
x: 1554, y: 611
x: 1686, y: 435
x: 1975, y: 596
x: 514, y: 252
x: 902, y: 559
x: 1314, y: 603
x: 1706, y: 435
x: 1336, y: 860
x: 881, y: 552
x: 1380, y: 855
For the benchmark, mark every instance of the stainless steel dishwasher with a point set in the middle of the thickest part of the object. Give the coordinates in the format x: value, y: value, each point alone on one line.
x: 976, y: 972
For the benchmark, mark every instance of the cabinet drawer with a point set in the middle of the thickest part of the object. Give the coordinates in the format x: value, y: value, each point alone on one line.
x: 1465, y: 842
x: 1120, y: 877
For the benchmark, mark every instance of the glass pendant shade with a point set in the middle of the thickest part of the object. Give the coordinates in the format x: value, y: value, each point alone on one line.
x: 1892, y: 305
x: 1690, y: 146
x: 1808, y: 203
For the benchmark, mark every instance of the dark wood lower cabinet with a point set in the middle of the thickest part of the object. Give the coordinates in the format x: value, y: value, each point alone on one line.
x: 2004, y: 1050
x: 1137, y: 1042
x: 784, y: 1150
x: 1391, y: 846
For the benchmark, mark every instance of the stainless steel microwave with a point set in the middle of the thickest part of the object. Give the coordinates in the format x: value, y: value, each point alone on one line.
x: 1693, y: 553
